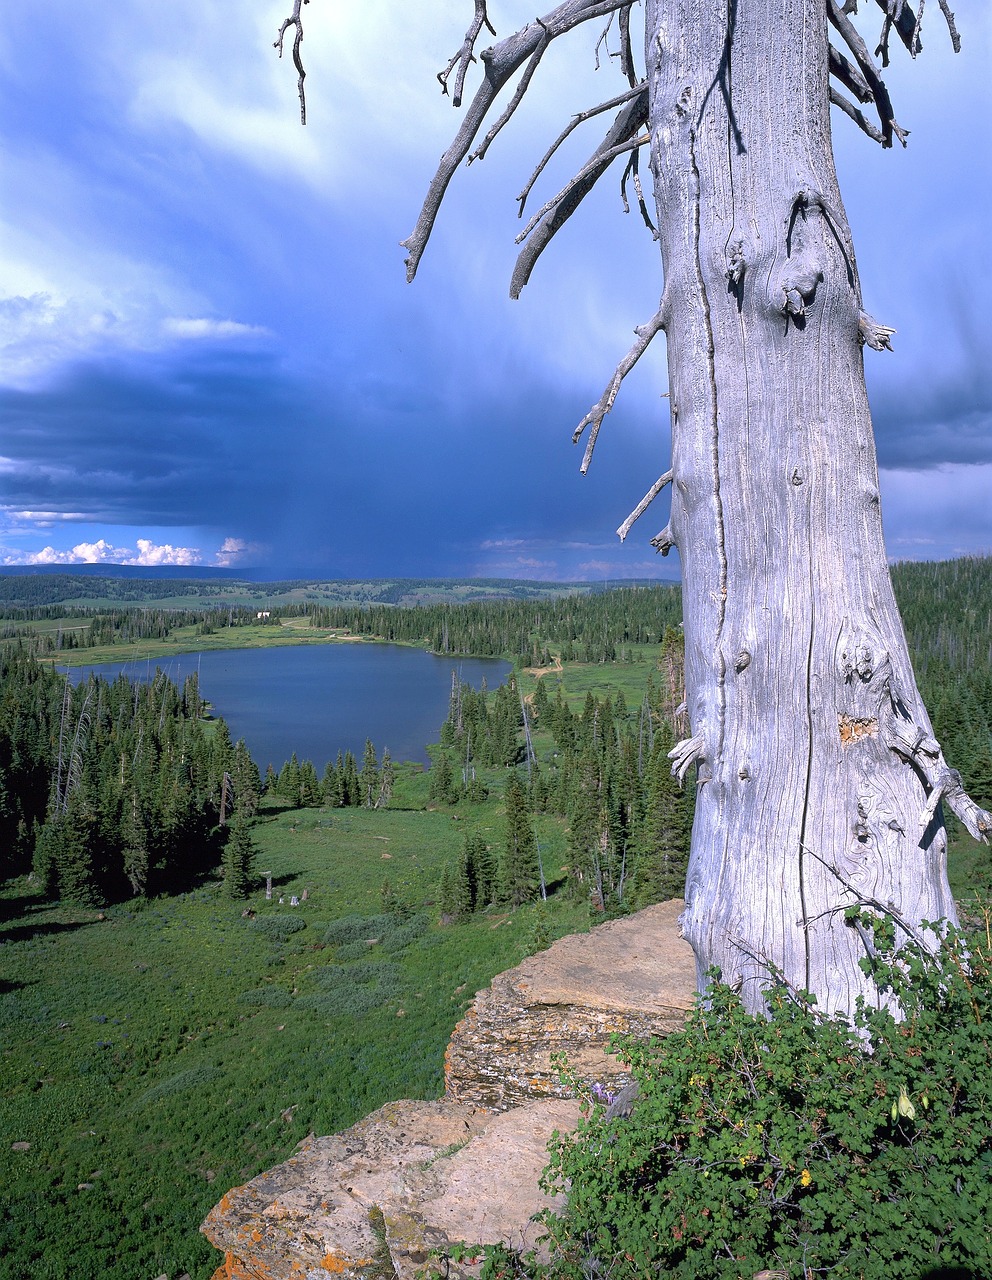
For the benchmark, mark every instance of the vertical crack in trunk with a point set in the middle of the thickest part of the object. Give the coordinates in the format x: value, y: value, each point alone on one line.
x: 807, y: 785
x: 716, y: 754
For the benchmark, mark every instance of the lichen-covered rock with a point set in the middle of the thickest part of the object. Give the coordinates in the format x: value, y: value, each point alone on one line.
x: 378, y: 1200
x: 633, y: 976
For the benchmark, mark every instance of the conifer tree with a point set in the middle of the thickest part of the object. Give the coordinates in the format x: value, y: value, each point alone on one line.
x: 519, y: 878
x: 310, y: 790
x: 330, y: 785
x: 134, y: 840
x: 239, y: 859
x: 481, y: 871
x: 369, y: 776
x: 289, y: 780
x: 663, y: 843
x: 351, y: 790
x: 246, y: 779
x: 387, y: 780
x: 440, y: 785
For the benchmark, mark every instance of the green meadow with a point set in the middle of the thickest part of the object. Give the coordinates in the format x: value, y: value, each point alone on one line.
x: 157, y: 1053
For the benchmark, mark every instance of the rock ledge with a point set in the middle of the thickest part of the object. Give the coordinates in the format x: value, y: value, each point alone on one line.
x: 378, y: 1201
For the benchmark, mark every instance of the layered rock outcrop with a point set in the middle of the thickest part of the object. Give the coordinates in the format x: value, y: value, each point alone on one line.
x: 635, y: 976
x: 384, y: 1197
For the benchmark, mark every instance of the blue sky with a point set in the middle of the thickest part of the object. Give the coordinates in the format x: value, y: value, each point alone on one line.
x: 210, y: 354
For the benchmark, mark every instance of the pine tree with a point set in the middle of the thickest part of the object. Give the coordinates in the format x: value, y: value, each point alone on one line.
x: 239, y: 859
x: 387, y: 779
x: 246, y: 779
x: 75, y: 860
x: 584, y: 829
x: 289, y: 781
x: 440, y: 784
x: 369, y: 776
x: 310, y: 790
x: 330, y: 785
x: 518, y: 871
x: 351, y: 791
x: 134, y: 846
x: 663, y: 843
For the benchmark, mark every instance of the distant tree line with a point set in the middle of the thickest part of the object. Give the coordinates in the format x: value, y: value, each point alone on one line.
x: 595, y: 627
x: 583, y: 628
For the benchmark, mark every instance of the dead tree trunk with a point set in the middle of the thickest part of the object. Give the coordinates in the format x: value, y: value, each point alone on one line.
x: 820, y: 783
x: 819, y: 780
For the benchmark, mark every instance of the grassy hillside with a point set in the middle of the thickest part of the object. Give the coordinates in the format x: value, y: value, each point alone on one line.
x: 155, y: 1054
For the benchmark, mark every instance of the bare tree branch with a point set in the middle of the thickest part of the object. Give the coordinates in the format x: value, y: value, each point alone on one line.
x: 518, y: 93
x: 626, y: 52
x: 602, y: 40
x: 599, y: 161
x: 575, y: 121
x: 627, y: 122
x: 645, y: 335
x: 952, y: 29
x: 849, y: 109
x: 465, y: 54
x: 898, y: 14
x: 499, y: 64
x: 632, y: 171
x: 296, y: 22
x: 849, y: 75
x: 852, y: 38
x: 643, y: 505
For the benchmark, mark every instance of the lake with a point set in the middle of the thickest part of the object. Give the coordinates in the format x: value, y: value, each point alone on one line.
x: 317, y: 700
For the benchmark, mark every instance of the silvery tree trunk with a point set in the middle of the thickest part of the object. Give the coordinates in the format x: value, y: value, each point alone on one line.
x: 819, y: 781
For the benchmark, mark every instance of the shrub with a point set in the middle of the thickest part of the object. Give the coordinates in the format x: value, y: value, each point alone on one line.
x: 353, y: 950
x: 353, y: 1001
x: 353, y: 989
x: 278, y: 928
x: 383, y: 974
x: 403, y: 934
x: 795, y: 1142
x: 357, y: 929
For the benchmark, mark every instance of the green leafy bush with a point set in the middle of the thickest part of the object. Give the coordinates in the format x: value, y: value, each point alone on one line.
x: 403, y: 934
x: 795, y: 1142
x: 339, y: 1001
x: 353, y: 989
x: 354, y: 950
x: 353, y: 934
x: 357, y: 929
x: 277, y: 928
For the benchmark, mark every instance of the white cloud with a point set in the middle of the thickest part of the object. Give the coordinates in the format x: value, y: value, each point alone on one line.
x: 235, y: 551
x: 102, y: 552
x: 203, y: 328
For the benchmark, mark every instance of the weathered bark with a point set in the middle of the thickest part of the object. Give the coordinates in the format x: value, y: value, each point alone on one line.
x: 801, y: 696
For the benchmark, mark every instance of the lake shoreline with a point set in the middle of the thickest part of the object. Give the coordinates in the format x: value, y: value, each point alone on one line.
x: 314, y: 700
x: 254, y: 638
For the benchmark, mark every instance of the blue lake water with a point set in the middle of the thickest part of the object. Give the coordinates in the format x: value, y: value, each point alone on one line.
x: 317, y: 700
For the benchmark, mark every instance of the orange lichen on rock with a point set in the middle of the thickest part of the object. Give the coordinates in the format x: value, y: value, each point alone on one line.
x: 336, y: 1265
x: 232, y: 1268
